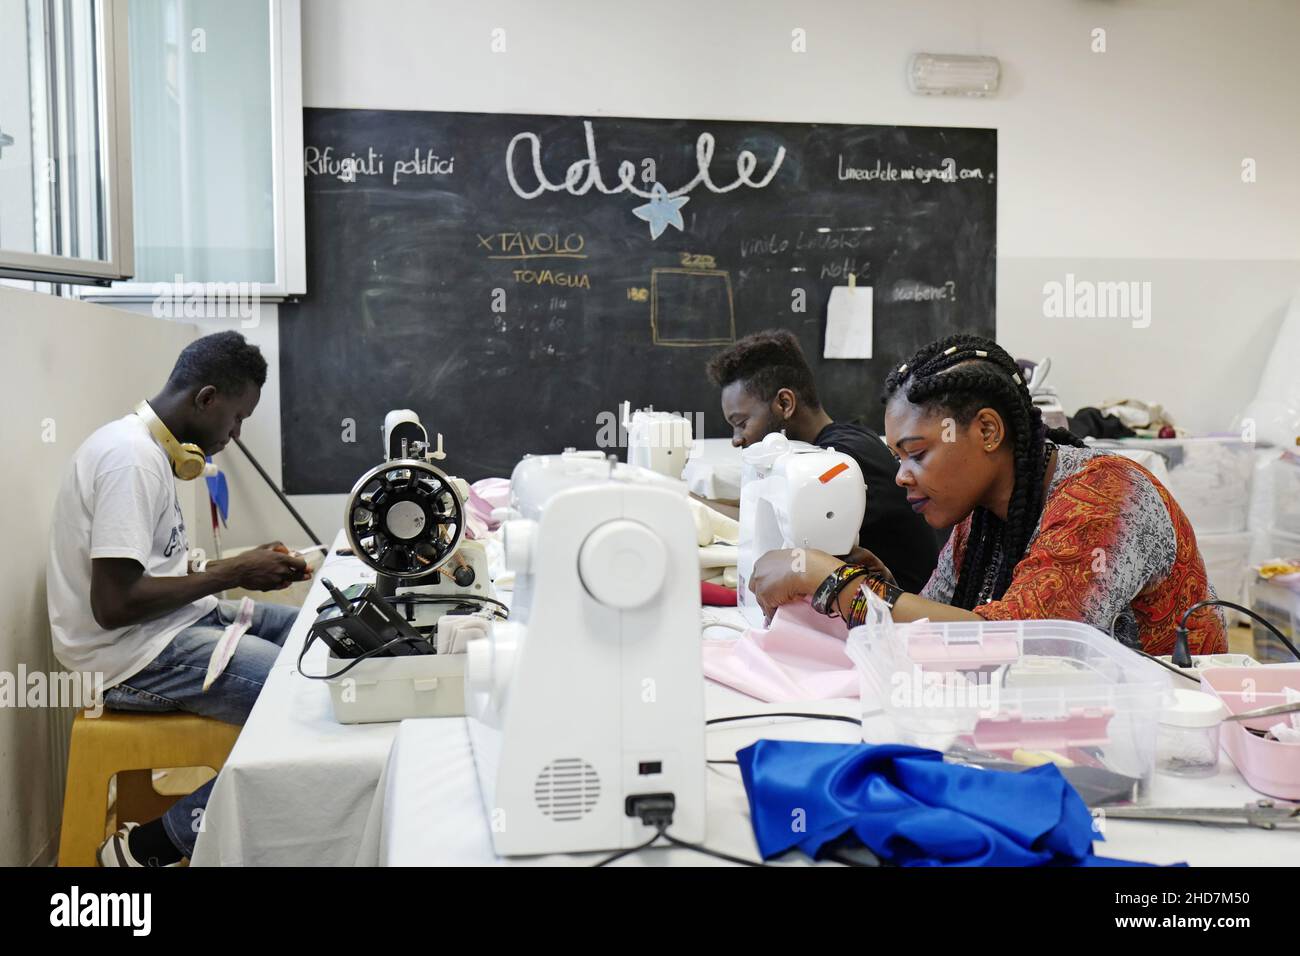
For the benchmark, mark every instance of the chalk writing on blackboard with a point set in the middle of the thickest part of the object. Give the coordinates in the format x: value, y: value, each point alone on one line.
x: 430, y: 165
x: 772, y: 244
x: 923, y: 292
x: 948, y: 172
x: 549, y: 277
x: 583, y: 174
x: 691, y: 307
x: 409, y: 268
x: 323, y: 162
x: 533, y: 245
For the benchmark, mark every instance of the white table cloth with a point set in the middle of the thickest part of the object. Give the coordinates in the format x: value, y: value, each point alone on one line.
x: 301, y: 789
x: 428, y: 810
x: 297, y: 787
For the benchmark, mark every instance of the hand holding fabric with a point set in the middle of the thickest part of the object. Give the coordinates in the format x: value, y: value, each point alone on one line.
x: 791, y: 574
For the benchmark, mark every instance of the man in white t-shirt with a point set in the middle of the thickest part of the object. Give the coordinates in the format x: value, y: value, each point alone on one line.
x: 122, y: 600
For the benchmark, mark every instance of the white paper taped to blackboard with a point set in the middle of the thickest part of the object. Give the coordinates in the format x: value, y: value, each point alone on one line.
x: 849, y: 323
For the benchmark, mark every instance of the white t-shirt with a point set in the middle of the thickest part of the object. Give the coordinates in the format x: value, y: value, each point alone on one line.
x: 118, y: 500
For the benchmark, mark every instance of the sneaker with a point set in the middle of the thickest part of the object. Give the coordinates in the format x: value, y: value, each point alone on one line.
x: 116, y: 850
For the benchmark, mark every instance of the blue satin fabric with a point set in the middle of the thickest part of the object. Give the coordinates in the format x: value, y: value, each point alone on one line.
x: 909, y: 807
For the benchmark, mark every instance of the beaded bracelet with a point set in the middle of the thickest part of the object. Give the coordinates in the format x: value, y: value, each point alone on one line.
x: 857, y: 613
x: 887, y: 592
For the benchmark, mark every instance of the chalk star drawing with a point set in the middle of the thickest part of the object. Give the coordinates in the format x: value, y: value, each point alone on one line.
x: 662, y: 211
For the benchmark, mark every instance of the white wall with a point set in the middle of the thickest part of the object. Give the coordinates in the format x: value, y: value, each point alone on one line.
x: 1117, y: 165
x: 66, y: 368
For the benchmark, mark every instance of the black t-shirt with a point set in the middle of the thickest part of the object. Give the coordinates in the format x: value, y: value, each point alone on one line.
x: 891, y: 530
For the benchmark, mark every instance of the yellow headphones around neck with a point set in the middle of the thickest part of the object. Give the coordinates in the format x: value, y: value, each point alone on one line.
x: 188, y: 460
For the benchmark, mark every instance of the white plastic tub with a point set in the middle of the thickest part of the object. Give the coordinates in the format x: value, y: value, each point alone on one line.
x: 383, y: 689
x: 1016, y: 689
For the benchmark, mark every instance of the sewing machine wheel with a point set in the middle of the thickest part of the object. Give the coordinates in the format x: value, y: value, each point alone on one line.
x: 404, y: 519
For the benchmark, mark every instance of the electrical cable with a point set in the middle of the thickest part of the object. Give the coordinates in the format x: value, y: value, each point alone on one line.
x: 630, y: 850
x: 373, y: 652
x: 661, y: 831
x: 278, y: 493
x: 783, y: 713
x: 1182, y: 656
x: 410, y: 598
x: 1165, y: 664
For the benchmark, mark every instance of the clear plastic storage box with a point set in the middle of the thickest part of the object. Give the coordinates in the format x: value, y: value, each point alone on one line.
x: 1209, y: 478
x: 1283, y: 544
x: 1280, y: 605
x: 1027, y: 691
x: 1227, y: 563
x: 1286, y: 495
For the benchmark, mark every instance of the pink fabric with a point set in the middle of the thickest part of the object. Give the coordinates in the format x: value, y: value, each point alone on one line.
x: 800, y: 657
x: 485, y: 495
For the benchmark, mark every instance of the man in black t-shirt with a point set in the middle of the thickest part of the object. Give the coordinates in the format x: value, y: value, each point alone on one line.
x: 767, y: 386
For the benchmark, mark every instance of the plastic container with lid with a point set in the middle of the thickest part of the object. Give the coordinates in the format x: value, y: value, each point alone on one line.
x: 1016, y: 689
x: 1286, y: 494
x: 1187, y: 744
x: 1280, y: 605
x: 1210, y: 478
x: 1282, y: 544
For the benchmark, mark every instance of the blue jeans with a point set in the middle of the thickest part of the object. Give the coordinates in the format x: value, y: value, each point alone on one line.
x: 174, y: 681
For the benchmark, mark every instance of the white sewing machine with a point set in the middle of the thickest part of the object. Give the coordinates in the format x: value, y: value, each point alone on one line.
x: 592, y: 694
x: 660, y: 441
x: 795, y: 495
x: 405, y: 518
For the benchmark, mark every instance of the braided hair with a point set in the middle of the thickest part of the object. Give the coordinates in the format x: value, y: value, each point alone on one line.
x: 960, y: 375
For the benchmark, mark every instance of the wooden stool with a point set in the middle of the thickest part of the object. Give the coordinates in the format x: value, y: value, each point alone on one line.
x: 131, y: 746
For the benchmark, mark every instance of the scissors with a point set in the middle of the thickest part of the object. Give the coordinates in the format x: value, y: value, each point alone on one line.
x: 1265, y: 814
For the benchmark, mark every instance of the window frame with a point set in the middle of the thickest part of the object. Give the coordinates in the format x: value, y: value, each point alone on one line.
x: 114, y: 122
x: 288, y: 197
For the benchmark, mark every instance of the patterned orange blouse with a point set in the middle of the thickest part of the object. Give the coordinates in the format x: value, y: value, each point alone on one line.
x: 1112, y: 549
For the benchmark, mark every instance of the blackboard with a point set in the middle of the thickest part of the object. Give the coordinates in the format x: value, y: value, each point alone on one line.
x: 514, y: 312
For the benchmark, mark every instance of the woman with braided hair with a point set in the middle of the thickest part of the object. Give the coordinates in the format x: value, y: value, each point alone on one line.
x: 1042, y: 526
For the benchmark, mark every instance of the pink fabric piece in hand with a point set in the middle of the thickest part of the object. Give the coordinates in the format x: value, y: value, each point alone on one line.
x: 800, y: 657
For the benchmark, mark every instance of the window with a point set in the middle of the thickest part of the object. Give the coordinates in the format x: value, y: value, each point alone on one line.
x: 65, y: 170
x: 216, y: 100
